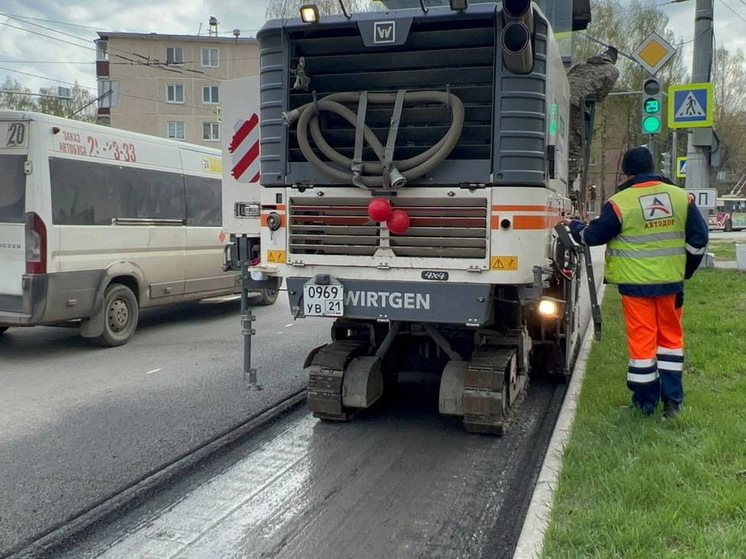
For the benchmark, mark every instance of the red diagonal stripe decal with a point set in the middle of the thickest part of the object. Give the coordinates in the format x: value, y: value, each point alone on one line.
x: 255, y: 178
x: 245, y: 161
x: 243, y: 131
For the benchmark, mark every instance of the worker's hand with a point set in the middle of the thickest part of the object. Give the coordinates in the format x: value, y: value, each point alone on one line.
x: 576, y: 227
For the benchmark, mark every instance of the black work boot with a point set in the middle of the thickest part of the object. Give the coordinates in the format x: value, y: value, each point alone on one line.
x: 671, y: 409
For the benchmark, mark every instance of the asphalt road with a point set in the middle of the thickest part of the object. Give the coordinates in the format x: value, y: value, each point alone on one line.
x: 399, y: 481
x: 79, y: 423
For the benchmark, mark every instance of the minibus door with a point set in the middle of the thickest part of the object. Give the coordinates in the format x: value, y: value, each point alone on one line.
x: 13, y: 157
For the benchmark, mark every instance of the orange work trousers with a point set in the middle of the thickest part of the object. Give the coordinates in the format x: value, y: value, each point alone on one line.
x: 655, y: 343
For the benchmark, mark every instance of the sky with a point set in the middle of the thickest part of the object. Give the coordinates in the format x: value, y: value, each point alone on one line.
x: 48, y: 43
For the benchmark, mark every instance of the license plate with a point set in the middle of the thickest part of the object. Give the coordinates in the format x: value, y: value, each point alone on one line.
x: 323, y: 300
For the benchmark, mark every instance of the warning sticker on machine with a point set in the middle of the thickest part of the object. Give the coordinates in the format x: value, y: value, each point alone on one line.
x: 276, y: 256
x: 504, y: 262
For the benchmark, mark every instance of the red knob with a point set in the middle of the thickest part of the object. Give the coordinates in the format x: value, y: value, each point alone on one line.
x: 398, y: 222
x: 379, y: 209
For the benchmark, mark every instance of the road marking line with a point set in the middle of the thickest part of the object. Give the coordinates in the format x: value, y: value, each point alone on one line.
x: 289, y: 325
x: 153, y: 371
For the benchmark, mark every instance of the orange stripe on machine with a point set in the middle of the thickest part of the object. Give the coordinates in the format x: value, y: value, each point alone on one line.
x: 543, y: 216
x: 534, y: 221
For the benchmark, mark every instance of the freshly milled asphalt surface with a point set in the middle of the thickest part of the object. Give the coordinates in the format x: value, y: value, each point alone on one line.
x: 401, y: 481
x: 80, y: 423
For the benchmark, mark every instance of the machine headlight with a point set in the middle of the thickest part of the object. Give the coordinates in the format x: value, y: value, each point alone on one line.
x: 548, y: 307
x: 309, y: 13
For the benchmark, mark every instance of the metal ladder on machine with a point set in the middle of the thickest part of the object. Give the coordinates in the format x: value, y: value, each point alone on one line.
x: 588, y: 114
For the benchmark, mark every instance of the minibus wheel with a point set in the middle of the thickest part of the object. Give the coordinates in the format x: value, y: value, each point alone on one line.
x: 268, y: 296
x: 120, y: 315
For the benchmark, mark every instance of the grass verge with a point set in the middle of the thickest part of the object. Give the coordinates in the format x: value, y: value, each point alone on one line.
x: 636, y: 487
x: 722, y: 250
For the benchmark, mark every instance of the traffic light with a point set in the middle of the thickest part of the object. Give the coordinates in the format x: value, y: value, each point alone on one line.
x: 651, y: 106
x: 666, y: 164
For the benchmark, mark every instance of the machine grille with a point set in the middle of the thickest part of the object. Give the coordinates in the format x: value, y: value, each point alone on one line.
x: 439, y: 228
x: 456, y: 55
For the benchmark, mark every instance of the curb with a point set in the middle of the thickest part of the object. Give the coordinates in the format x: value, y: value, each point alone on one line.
x: 531, y: 540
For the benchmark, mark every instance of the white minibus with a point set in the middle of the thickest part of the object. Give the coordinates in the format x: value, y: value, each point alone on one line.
x: 97, y: 223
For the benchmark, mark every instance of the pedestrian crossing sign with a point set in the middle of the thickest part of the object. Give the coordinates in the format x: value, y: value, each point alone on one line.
x: 690, y: 105
x: 681, y: 166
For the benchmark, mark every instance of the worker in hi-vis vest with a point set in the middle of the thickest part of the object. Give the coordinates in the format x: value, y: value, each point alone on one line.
x: 656, y: 238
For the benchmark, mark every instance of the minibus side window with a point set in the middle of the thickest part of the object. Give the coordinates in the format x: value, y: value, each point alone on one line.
x: 204, y: 202
x: 12, y: 188
x: 151, y: 194
x: 83, y: 193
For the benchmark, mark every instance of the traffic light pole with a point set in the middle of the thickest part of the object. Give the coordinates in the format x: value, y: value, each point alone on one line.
x: 697, y: 167
x: 674, y: 156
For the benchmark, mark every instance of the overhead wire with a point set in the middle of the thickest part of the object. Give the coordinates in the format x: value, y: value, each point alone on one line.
x: 154, y: 63
x: 739, y: 16
x: 16, y: 16
x: 45, y: 77
x: 46, y: 36
x: 46, y: 61
x: 130, y: 95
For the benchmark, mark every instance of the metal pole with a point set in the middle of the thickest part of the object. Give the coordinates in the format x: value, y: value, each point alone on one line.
x: 247, y: 330
x: 697, y: 167
x: 674, y: 156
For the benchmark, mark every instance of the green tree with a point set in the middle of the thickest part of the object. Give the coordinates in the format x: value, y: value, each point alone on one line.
x: 79, y: 106
x: 729, y: 82
x: 15, y: 97
x: 617, y: 125
x: 48, y: 100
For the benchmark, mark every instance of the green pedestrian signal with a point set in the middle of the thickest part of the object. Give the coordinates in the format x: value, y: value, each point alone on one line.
x: 652, y: 119
x: 651, y: 124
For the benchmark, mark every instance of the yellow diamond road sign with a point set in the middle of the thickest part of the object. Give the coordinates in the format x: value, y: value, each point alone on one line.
x: 653, y: 53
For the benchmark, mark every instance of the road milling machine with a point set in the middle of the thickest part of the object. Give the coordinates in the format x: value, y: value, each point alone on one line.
x: 407, y: 172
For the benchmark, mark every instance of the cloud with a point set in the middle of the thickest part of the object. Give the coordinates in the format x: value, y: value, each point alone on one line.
x: 57, y: 46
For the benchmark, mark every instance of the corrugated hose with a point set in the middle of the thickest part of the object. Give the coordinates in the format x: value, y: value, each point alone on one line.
x: 384, y: 173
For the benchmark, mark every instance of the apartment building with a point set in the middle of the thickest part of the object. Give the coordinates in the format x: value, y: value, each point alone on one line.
x: 168, y: 85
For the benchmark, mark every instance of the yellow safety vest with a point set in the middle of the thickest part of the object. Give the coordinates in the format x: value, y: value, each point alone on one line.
x: 650, y: 249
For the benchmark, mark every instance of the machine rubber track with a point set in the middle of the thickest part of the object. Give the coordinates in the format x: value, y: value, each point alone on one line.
x: 491, y: 386
x: 326, y: 378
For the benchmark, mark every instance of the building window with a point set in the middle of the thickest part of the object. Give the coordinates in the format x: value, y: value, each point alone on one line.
x: 211, y: 94
x: 176, y: 130
x: 108, y: 93
x: 174, y: 55
x: 211, y: 131
x: 210, y: 57
x: 102, y: 49
x: 175, y: 93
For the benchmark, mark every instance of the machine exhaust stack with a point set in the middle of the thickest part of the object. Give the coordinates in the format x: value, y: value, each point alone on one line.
x: 516, y: 37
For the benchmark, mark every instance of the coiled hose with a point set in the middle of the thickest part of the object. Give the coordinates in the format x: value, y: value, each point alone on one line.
x: 400, y: 172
